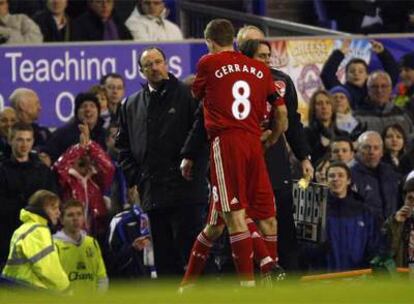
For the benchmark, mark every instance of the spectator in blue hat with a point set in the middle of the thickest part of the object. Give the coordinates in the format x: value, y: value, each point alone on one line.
x: 345, y: 119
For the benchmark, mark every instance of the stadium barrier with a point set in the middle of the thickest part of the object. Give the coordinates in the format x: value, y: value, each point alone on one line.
x: 57, y: 72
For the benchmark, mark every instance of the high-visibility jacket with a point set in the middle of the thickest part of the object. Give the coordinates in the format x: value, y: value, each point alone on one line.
x: 33, y: 258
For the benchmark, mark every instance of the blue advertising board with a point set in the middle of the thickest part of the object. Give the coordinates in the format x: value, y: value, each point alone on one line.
x: 58, y: 72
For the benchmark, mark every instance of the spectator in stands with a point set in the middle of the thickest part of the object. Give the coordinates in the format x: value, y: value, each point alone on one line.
x: 76, y: 247
x: 54, y: 22
x: 399, y: 229
x: 100, y: 93
x: 87, y: 109
x: 320, y: 169
x: 154, y: 124
x: 20, y: 176
x: 395, y: 142
x: 130, y: 243
x: 27, y: 7
x: 379, y: 110
x: 345, y: 119
x: 7, y: 120
x: 153, y: 24
x: 27, y: 105
x: 17, y: 28
x: 407, y: 161
x: 322, y: 128
x: 356, y: 71
x: 375, y: 181
x: 351, y: 230
x: 342, y: 149
x: 114, y: 86
x: 98, y: 23
x: 33, y: 260
x: 118, y: 192
x: 405, y: 89
x: 85, y: 173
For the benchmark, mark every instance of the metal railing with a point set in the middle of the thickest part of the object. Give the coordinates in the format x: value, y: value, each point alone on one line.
x: 194, y: 17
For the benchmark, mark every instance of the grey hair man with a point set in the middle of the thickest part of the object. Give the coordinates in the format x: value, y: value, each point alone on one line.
x: 27, y: 105
x: 379, y: 109
x: 375, y: 181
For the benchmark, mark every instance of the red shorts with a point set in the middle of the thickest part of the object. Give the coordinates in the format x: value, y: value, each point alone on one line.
x: 239, y: 178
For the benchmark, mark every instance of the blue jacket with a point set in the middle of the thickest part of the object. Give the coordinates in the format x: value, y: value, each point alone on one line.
x: 352, y: 233
x: 379, y: 188
x: 125, y: 227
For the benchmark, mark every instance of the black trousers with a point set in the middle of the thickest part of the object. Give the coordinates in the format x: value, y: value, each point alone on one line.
x: 287, y: 243
x: 174, y: 230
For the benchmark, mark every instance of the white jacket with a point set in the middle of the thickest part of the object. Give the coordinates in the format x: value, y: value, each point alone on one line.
x: 19, y: 29
x: 149, y: 28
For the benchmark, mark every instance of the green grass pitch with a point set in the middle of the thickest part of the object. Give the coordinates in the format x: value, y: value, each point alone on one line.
x: 226, y: 291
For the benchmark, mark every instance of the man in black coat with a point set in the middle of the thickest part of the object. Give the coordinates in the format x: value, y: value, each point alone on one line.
x: 154, y: 123
x: 53, y: 21
x: 20, y: 176
x: 99, y: 23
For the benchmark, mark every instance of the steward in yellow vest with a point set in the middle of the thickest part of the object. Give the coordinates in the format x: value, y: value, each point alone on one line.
x: 33, y: 259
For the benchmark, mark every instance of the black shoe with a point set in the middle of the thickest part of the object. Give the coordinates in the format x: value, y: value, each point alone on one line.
x: 275, y: 275
x: 278, y: 273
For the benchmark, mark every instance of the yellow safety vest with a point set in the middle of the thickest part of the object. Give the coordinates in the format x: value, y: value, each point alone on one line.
x: 33, y: 258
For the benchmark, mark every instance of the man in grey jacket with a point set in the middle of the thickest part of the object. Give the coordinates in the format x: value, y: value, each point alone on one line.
x: 17, y: 28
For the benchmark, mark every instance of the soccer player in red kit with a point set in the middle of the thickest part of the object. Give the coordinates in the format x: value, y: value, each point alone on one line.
x: 234, y: 90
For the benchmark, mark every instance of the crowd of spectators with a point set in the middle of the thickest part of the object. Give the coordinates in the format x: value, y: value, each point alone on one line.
x: 89, y: 20
x: 369, y: 129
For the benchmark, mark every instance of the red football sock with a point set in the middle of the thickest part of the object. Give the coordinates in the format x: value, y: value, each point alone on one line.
x: 198, y: 258
x: 242, y: 249
x: 261, y: 253
x: 271, y: 243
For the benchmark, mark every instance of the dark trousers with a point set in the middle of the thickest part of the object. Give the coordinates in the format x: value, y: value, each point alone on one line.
x: 287, y: 243
x: 174, y: 230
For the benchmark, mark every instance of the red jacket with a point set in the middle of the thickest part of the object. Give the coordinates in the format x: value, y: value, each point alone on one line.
x: 88, y: 189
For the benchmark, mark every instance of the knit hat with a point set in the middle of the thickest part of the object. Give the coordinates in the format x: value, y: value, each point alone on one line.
x: 407, y: 61
x: 341, y: 89
x: 82, y: 97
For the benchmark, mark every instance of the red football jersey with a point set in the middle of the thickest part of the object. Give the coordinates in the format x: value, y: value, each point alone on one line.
x: 234, y: 88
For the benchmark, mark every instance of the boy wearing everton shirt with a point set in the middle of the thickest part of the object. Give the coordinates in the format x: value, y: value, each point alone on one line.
x: 79, y: 253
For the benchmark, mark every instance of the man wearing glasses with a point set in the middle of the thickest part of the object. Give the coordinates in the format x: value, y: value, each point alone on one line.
x: 154, y: 124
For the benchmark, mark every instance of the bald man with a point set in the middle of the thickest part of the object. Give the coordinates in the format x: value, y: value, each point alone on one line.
x: 375, y: 180
x: 27, y: 105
